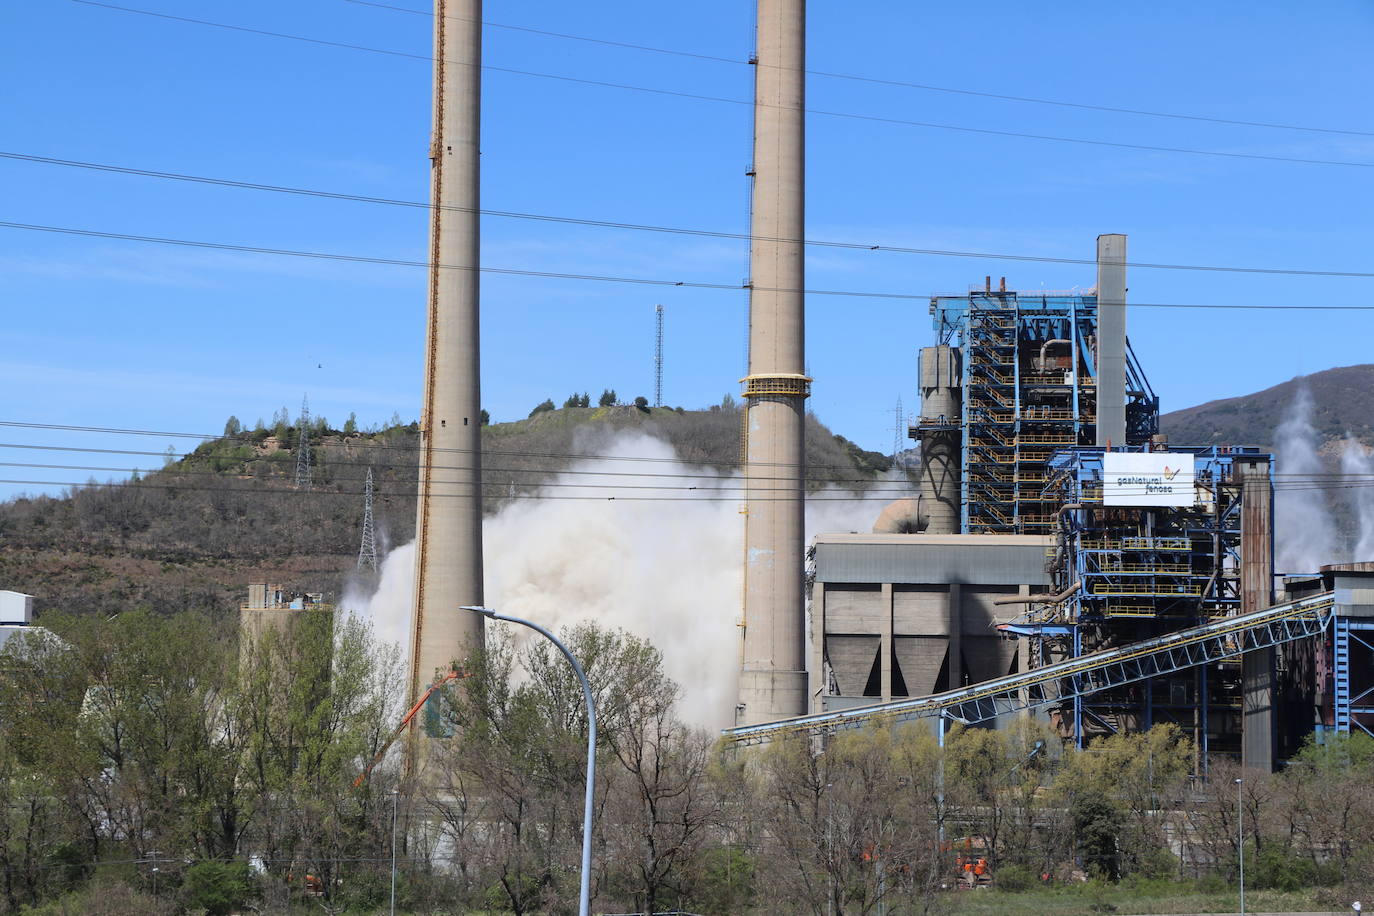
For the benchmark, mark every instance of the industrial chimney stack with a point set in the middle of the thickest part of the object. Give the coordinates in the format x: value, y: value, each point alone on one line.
x: 773, y: 676
x: 448, y: 531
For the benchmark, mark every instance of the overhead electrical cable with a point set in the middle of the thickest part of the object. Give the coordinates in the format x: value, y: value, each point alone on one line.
x: 672, y: 230
x: 497, y: 453
x: 603, y: 278
x: 287, y: 488
x: 259, y: 486
x: 502, y: 453
x: 904, y: 84
x: 984, y: 131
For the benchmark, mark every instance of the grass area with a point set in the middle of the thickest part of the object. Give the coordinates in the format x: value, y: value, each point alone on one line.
x: 1093, y: 899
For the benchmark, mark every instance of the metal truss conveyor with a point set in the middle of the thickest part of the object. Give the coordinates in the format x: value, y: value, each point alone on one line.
x: 1050, y: 685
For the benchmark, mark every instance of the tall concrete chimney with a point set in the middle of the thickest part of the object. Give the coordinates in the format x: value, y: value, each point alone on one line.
x: 773, y: 669
x: 1111, y: 340
x: 448, y: 530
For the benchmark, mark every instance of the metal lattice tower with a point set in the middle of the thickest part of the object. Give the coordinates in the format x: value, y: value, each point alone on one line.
x: 304, y: 477
x: 658, y: 356
x: 898, y: 431
x: 367, y: 551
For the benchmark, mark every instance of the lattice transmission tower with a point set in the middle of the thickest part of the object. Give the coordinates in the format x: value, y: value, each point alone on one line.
x: 898, y: 432
x: 367, y: 551
x: 304, y: 474
x: 658, y: 356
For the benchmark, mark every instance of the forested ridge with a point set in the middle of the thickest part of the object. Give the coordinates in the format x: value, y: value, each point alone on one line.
x: 193, y: 531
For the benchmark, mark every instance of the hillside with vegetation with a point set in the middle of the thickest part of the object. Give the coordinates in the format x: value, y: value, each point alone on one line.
x: 1342, y: 398
x: 194, y: 533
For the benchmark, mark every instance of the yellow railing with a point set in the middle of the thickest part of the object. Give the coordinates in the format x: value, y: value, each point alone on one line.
x: 1156, y: 590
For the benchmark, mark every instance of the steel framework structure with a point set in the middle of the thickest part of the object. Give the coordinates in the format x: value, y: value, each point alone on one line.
x: 1352, y: 643
x: 1074, y: 678
x: 1029, y: 388
x: 1134, y: 573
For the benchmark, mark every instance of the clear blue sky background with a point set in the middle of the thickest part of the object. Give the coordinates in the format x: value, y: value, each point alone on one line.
x: 108, y: 333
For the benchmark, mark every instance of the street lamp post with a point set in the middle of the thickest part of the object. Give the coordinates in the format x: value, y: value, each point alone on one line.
x: 585, y: 906
x: 1240, y: 841
x: 395, y: 793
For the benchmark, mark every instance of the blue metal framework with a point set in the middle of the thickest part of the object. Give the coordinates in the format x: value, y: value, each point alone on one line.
x: 1056, y: 684
x: 1029, y: 389
x: 1352, y: 643
x: 1123, y: 574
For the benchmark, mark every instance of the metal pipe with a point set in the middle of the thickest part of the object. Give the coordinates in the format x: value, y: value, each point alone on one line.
x: 1046, y: 345
x: 585, y: 899
x: 1040, y: 599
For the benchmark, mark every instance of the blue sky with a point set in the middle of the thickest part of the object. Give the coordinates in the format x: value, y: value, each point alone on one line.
x: 132, y: 335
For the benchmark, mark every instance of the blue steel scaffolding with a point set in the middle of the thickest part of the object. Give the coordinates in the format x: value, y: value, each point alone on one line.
x: 1029, y: 389
x: 1120, y: 575
x: 1352, y: 674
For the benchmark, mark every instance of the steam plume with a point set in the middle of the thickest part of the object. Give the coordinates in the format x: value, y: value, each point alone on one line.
x: 1358, y: 467
x: 1304, y: 535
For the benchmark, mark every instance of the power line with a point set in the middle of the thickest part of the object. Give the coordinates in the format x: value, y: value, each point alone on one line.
x: 983, y: 131
x: 866, y: 484
x: 350, y: 494
x: 926, y: 87
x: 504, y: 453
x: 414, y: 466
x: 646, y: 227
x: 603, y: 278
x: 539, y: 495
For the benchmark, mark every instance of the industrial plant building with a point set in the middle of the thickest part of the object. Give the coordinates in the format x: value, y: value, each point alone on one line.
x: 1061, y: 557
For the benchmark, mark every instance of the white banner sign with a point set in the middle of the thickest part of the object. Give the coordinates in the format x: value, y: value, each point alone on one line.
x: 1147, y: 479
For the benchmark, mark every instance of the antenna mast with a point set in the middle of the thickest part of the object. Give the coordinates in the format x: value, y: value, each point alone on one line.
x: 658, y: 356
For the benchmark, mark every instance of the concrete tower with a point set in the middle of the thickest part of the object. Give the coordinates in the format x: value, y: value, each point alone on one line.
x: 773, y: 674
x: 448, y: 530
x: 1111, y: 340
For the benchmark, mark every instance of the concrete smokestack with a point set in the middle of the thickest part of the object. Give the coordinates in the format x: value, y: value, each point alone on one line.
x: 1111, y: 340
x: 773, y: 676
x: 448, y: 528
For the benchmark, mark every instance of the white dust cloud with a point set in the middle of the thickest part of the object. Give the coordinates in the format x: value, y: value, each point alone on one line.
x: 592, y: 547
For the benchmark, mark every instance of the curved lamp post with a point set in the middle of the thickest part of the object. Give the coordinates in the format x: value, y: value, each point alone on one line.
x: 585, y: 906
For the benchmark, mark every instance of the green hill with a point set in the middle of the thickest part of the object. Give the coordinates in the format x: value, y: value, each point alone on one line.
x: 1343, y: 402
x: 194, y: 533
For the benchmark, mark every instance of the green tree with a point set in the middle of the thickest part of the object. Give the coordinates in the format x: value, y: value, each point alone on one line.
x: 607, y: 398
x: 642, y: 403
x: 542, y: 407
x: 232, y: 427
x: 350, y: 427
x: 217, y: 888
x: 486, y: 417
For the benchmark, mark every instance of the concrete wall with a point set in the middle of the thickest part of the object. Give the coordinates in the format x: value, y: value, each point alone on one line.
x: 907, y: 615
